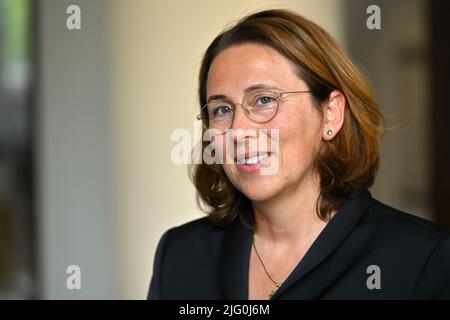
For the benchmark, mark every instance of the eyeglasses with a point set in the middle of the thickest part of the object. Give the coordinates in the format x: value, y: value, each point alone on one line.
x: 259, y: 105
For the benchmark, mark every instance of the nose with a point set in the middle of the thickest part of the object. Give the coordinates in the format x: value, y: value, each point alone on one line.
x: 243, y: 128
x: 241, y: 119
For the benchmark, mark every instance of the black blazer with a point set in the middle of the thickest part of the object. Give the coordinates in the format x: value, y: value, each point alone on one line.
x: 410, y: 258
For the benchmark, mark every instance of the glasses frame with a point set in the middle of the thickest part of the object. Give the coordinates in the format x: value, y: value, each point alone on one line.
x: 278, y: 94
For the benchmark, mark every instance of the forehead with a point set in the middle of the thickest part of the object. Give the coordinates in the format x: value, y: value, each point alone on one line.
x: 241, y: 66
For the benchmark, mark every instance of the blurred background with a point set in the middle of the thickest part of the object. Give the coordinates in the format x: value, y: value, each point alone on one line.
x: 86, y: 117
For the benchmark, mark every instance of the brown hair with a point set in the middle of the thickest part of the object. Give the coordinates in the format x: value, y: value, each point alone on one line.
x: 348, y: 161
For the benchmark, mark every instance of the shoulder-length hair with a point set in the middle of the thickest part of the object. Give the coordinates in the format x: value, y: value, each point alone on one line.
x: 348, y: 161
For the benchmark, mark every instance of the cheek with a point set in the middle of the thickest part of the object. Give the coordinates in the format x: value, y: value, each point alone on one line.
x: 222, y: 150
x: 299, y: 134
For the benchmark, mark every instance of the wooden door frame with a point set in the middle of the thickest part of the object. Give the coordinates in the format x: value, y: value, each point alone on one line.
x: 440, y: 89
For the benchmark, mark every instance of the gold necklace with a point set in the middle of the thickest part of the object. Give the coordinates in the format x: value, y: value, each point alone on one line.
x: 277, y: 284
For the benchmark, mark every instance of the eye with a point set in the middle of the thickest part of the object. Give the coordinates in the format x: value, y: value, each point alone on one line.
x: 265, y: 100
x: 220, y: 111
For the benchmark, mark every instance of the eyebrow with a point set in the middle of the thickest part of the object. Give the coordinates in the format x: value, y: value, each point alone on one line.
x: 247, y: 90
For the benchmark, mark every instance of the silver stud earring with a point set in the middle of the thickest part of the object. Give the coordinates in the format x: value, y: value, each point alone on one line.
x: 329, y: 132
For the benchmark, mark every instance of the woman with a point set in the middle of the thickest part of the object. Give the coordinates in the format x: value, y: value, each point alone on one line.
x: 308, y: 229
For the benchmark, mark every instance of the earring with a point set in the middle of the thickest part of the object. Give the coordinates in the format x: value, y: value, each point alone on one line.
x: 329, y: 132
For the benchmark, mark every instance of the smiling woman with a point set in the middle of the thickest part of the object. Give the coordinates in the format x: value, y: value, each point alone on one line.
x: 311, y: 229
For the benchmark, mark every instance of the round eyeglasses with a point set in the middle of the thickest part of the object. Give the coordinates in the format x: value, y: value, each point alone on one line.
x: 259, y: 105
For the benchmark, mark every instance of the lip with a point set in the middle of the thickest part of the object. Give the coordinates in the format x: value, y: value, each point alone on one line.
x: 257, y: 160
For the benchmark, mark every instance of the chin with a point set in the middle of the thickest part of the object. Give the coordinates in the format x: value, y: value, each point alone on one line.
x: 255, y: 193
x: 254, y: 186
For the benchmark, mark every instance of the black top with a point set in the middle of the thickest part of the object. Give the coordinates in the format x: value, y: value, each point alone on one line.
x: 367, y: 251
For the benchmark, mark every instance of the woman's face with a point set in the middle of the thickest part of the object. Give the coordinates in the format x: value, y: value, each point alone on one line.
x: 231, y: 73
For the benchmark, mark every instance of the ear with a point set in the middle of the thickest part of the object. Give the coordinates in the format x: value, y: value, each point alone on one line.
x: 333, y: 115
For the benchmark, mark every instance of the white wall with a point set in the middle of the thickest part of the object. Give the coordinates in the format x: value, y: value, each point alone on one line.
x: 157, y: 46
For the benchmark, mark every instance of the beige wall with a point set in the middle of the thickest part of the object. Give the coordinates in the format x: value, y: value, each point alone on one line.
x: 157, y: 46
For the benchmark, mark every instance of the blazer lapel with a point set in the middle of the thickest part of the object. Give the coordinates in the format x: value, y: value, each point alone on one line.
x: 335, y: 232
x: 237, y: 243
x: 234, y: 261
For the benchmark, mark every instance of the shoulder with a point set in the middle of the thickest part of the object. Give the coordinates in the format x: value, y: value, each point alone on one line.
x: 392, y: 222
x: 186, y: 257
x: 413, y: 253
x: 197, y: 230
x: 407, y: 240
x: 193, y: 237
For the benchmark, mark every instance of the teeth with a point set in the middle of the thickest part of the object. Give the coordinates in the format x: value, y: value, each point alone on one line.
x: 254, y: 159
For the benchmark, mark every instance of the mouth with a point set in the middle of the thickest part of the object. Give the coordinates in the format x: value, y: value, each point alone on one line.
x: 252, y: 162
x: 253, y: 159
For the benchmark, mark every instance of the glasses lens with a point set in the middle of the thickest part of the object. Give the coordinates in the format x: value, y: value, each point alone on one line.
x: 262, y: 105
x: 218, y: 114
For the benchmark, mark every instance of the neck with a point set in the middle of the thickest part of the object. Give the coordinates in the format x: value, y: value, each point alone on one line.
x: 290, y: 217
